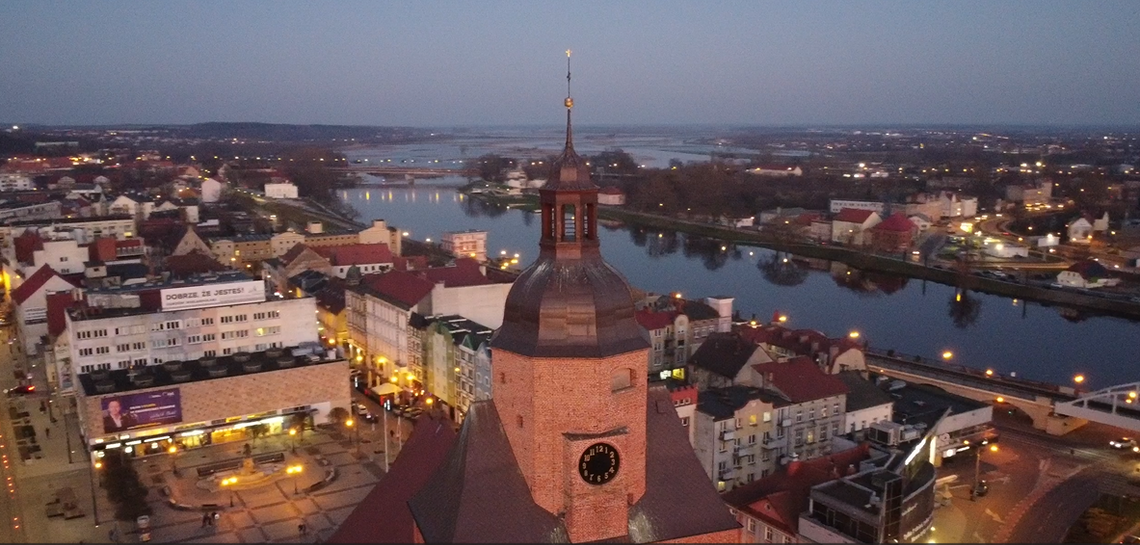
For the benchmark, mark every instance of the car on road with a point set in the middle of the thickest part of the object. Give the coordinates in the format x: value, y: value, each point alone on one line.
x: 1125, y: 443
x: 21, y: 390
x: 361, y: 410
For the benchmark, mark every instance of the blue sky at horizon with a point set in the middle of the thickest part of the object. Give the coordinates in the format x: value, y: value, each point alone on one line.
x: 638, y: 63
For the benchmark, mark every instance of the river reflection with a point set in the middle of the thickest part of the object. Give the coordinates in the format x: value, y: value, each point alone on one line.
x: 909, y: 315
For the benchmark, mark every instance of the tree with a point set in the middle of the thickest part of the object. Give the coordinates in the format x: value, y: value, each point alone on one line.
x: 338, y: 415
x: 493, y: 167
x: 124, y: 487
x: 964, y: 310
x: 779, y: 269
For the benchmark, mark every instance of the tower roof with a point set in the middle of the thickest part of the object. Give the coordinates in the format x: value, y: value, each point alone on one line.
x: 569, y: 302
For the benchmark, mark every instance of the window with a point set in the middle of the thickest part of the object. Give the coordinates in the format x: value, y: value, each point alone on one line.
x: 193, y: 339
x: 207, y: 321
x: 722, y: 465
x: 685, y: 421
x: 768, y: 534
x: 210, y: 353
x: 799, y: 437
x: 263, y: 331
x: 752, y: 439
x: 123, y: 364
x: 173, y: 324
x: 823, y: 412
x: 140, y: 362
x: 138, y: 346
x: 763, y: 473
x: 86, y: 351
x: 799, y: 416
x: 767, y: 416
x: 751, y: 522
x: 739, y: 423
x: 62, y: 259
x: 258, y: 315
x: 275, y: 314
x: 228, y: 335
x: 751, y: 477
x: 621, y: 379
x: 83, y: 335
x: 765, y: 456
x: 103, y: 350
x: 502, y: 378
x: 227, y: 319
x: 227, y: 351
x: 123, y: 347
x: 779, y: 433
x: 207, y: 337
x: 242, y: 333
x: 240, y: 318
x: 157, y: 360
x: 811, y: 414
x: 822, y: 433
x: 100, y: 332
x: 811, y: 436
x: 835, y: 408
x: 751, y: 420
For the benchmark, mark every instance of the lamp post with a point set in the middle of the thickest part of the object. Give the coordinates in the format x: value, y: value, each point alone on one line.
x: 292, y: 440
x: 978, y: 468
x: 229, y: 482
x: 355, y: 434
x: 94, y: 498
x: 294, y: 471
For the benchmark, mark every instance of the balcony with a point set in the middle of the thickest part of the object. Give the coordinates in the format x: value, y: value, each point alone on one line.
x: 727, y: 474
x: 728, y: 435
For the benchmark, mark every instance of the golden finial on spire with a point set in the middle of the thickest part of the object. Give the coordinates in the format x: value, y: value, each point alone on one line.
x: 569, y: 101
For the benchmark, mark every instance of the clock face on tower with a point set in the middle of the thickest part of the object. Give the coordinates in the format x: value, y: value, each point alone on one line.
x: 599, y: 463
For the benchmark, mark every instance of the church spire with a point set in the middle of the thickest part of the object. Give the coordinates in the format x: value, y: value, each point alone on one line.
x: 569, y: 102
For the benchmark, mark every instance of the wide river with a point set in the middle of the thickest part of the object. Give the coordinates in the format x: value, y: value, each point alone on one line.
x: 908, y: 315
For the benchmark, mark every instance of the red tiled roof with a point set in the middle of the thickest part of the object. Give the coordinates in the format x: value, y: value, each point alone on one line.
x: 651, y: 320
x: 404, y: 287
x: 410, y: 263
x: 897, y: 223
x: 57, y: 305
x: 781, y: 497
x: 806, y: 218
x: 610, y: 191
x: 26, y: 244
x: 465, y: 272
x: 355, y: 254
x: 853, y: 215
x: 34, y: 283
x: 800, y: 379
x: 383, y: 515
x: 102, y: 249
x: 195, y: 262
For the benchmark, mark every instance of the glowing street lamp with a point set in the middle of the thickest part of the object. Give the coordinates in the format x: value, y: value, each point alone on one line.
x: 947, y: 355
x: 853, y: 335
x: 294, y: 471
x: 229, y: 482
x: 1079, y: 379
x: 783, y: 318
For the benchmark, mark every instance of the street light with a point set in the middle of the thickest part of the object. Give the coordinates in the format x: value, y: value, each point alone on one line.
x: 977, y: 469
x: 947, y: 355
x: 853, y: 335
x: 355, y: 434
x: 292, y: 442
x: 229, y: 482
x: 1079, y: 379
x: 294, y: 471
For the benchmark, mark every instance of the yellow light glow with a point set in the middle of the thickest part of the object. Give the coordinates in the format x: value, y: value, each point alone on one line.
x: 853, y: 334
x: 947, y: 355
x: 1000, y: 399
x: 993, y: 448
x: 429, y: 401
x: 349, y: 422
x: 989, y: 372
x: 393, y: 379
x: 172, y: 449
x: 783, y: 318
x: 1079, y: 379
x: 292, y: 431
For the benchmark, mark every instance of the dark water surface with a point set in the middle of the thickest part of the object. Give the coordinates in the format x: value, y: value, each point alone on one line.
x: 890, y: 312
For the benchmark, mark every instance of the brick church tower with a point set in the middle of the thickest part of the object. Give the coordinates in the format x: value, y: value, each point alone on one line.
x: 570, y: 366
x: 574, y: 446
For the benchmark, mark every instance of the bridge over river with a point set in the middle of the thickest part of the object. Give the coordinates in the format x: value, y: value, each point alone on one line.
x: 1053, y: 408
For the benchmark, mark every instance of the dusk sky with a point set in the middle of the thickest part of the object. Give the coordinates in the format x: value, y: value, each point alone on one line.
x: 502, y: 63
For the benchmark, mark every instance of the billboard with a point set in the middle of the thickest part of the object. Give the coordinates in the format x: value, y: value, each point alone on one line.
x: 143, y: 410
x: 226, y: 293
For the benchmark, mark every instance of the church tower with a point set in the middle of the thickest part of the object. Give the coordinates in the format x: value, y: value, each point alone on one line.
x: 570, y: 365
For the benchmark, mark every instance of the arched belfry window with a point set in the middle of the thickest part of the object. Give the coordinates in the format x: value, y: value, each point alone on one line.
x: 569, y: 223
x: 621, y: 379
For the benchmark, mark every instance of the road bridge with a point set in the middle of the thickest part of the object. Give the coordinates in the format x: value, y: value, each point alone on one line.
x: 1116, y: 406
x: 1036, y: 399
x: 399, y: 171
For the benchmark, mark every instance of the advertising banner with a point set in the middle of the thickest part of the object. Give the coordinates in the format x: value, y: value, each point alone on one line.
x: 228, y: 293
x: 143, y: 410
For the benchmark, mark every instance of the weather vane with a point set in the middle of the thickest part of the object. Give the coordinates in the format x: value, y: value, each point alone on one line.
x: 569, y: 101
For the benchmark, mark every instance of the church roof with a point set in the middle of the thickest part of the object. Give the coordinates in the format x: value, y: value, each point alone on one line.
x: 383, y: 515
x: 477, y: 486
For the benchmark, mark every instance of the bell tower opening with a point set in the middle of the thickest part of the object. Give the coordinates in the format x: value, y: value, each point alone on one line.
x: 569, y: 231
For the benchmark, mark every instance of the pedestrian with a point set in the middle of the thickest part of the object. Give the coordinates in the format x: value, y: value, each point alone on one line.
x: 301, y: 528
x: 47, y: 433
x: 205, y: 519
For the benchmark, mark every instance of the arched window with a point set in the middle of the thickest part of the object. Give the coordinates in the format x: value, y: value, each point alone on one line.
x: 621, y: 379
x: 569, y: 225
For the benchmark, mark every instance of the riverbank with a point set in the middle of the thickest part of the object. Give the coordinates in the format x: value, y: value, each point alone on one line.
x: 881, y: 263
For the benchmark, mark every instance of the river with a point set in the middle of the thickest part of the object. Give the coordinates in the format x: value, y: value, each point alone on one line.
x: 907, y: 315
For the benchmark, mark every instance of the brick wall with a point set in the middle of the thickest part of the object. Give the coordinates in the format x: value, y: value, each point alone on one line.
x: 214, y: 399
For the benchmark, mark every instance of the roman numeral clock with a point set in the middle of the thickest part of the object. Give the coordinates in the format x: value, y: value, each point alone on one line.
x: 599, y: 463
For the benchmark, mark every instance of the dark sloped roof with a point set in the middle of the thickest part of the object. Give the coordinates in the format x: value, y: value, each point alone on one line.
x: 33, y: 284
x: 862, y: 393
x: 478, y: 494
x: 383, y: 516
x: 464, y: 272
x: 192, y: 263
x: 680, y: 500
x: 399, y: 287
x: 853, y: 215
x: 724, y: 354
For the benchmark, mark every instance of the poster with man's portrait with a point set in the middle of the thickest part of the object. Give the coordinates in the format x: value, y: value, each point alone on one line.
x: 134, y: 411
